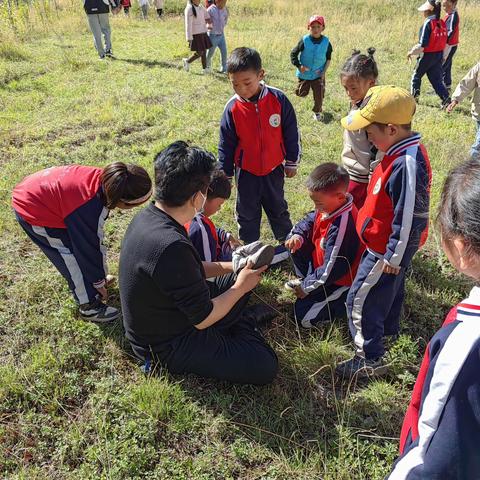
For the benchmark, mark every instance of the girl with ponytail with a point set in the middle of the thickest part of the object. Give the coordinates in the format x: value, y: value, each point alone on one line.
x: 359, y: 156
x: 63, y: 211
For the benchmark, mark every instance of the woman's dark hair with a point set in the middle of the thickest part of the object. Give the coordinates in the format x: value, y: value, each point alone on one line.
x: 180, y: 172
x: 242, y: 59
x: 459, y: 205
x: 437, y: 7
x: 360, y: 65
x: 220, y: 186
x: 194, y: 10
x: 124, y: 182
x: 327, y: 177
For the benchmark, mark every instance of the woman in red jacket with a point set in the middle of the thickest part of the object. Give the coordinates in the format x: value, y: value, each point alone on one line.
x: 63, y: 210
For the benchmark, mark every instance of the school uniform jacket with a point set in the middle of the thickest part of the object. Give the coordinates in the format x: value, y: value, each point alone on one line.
x: 70, y: 198
x: 395, y: 213
x: 452, y: 21
x: 336, y: 247
x: 259, y: 136
x: 432, y: 37
x: 441, y: 432
x: 206, y: 238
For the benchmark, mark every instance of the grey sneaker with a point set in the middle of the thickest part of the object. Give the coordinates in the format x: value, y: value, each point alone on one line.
x: 186, y: 65
x: 318, y: 117
x: 257, y: 252
x: 98, y: 312
x: 361, y: 368
x: 109, y: 53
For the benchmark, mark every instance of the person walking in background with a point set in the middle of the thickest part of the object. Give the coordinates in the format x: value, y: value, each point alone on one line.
x: 144, y: 8
x: 470, y: 83
x: 452, y: 21
x: 359, y: 156
x: 97, y: 14
x: 63, y: 211
x: 312, y: 57
x: 159, y: 6
x: 196, y: 18
x: 218, y: 13
x: 126, y: 4
x: 431, y: 44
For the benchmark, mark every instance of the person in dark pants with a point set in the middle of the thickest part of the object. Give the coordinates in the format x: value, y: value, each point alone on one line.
x: 432, y: 41
x: 171, y: 313
x: 259, y: 144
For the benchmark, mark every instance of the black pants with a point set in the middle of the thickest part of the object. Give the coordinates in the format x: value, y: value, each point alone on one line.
x: 232, y: 349
x: 447, y: 68
x: 253, y: 193
x: 431, y: 65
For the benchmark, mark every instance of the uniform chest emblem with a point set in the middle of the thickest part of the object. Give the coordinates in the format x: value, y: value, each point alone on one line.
x: 275, y: 120
x: 377, y: 186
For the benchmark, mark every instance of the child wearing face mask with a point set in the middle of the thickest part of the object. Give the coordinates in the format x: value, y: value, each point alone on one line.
x: 359, y: 156
x: 440, y: 433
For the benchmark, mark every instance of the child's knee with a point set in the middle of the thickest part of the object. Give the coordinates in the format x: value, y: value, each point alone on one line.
x: 266, y: 368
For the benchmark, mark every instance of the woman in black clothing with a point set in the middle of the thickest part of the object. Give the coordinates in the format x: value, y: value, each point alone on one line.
x: 172, y: 314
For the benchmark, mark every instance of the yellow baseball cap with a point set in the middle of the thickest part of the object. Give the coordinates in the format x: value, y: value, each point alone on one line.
x: 383, y: 104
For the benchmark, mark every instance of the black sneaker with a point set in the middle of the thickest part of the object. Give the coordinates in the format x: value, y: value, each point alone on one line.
x: 98, y: 312
x: 361, y: 368
x: 109, y: 53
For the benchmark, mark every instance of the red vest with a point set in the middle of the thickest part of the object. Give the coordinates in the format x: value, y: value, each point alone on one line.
x: 438, y: 37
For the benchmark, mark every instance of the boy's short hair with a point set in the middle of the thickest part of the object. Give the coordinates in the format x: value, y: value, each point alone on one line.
x: 242, y: 59
x: 328, y: 177
x: 220, y: 186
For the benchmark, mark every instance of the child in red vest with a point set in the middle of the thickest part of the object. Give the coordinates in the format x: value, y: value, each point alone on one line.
x: 441, y: 430
x: 431, y: 43
x: 312, y: 58
x: 452, y: 21
x: 213, y: 244
x: 325, y: 248
x: 392, y: 224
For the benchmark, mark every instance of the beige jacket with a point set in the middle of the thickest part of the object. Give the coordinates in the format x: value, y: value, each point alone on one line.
x: 470, y: 83
x: 357, y: 156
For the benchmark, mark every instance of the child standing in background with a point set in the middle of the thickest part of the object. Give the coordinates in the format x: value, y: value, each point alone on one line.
x: 432, y: 41
x: 452, y: 21
x: 470, y: 83
x: 159, y: 6
x: 196, y: 18
x: 218, y: 14
x: 312, y: 57
x: 359, y: 156
x: 440, y: 433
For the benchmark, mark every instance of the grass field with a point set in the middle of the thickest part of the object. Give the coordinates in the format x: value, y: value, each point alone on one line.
x: 73, y: 403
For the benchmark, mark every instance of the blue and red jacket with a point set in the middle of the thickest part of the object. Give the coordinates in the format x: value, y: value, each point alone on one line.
x: 452, y: 21
x: 395, y: 213
x: 71, y: 198
x: 259, y: 136
x: 433, y: 35
x: 441, y: 431
x: 210, y: 242
x: 336, y: 248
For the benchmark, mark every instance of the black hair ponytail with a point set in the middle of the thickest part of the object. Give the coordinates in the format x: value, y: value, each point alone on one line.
x: 194, y: 10
x: 360, y: 65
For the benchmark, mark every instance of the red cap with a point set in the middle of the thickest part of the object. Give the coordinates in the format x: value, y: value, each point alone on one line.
x: 316, y: 18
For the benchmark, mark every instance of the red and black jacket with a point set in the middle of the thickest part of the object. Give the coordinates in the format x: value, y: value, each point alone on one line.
x: 452, y: 21
x: 259, y: 136
x: 433, y: 35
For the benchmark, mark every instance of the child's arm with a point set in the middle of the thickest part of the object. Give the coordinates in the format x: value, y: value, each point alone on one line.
x: 188, y: 23
x: 228, y: 142
x: 291, y: 137
x: 225, y: 237
x: 300, y: 233
x: 425, y: 33
x: 327, y: 63
x: 340, y: 251
x: 199, y: 239
x: 467, y: 85
x: 295, y: 53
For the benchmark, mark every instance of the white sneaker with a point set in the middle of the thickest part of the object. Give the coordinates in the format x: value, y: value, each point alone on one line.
x: 318, y: 117
x: 292, y: 285
x: 207, y: 71
x: 186, y: 65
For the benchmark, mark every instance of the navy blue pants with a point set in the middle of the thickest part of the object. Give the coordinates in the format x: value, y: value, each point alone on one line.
x: 253, y: 193
x: 430, y: 64
x: 321, y: 305
x: 374, y: 303
x: 447, y: 68
x: 232, y: 349
x: 55, y: 243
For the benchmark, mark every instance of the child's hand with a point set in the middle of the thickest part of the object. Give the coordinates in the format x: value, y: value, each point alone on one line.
x: 409, y: 58
x: 391, y: 269
x: 299, y: 293
x: 233, y: 242
x: 304, y: 69
x: 294, y: 243
x: 452, y: 106
x: 290, y: 172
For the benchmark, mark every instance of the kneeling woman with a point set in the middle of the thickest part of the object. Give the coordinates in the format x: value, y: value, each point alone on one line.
x: 63, y: 210
x: 171, y: 313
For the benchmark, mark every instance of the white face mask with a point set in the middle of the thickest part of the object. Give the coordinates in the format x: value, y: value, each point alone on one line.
x: 203, y: 204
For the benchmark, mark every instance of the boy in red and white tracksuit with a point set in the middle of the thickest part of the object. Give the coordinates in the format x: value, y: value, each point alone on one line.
x: 392, y: 224
x: 325, y: 248
x: 259, y: 145
x: 452, y: 21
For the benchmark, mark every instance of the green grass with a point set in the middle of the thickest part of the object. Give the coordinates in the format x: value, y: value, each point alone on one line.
x: 73, y: 404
